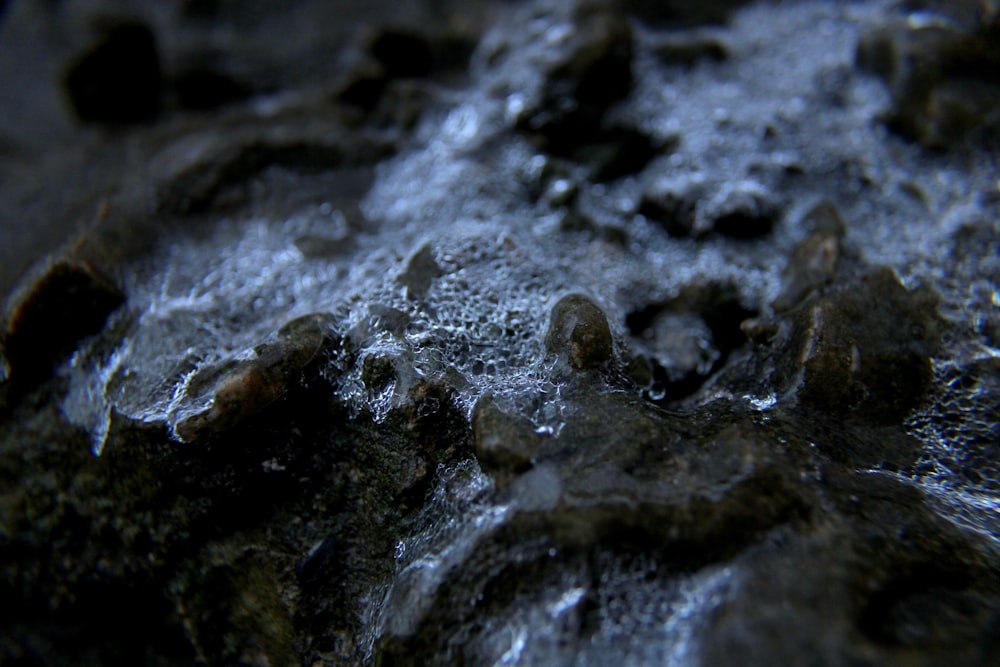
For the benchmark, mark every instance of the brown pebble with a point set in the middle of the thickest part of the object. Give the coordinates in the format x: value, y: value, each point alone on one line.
x: 579, y: 330
x: 255, y: 384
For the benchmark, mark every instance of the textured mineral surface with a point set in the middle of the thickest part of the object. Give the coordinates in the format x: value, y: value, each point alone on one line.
x: 438, y: 332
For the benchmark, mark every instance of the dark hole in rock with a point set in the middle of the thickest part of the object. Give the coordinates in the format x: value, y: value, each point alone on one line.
x: 609, y: 78
x: 688, y: 339
x: 638, y: 321
x: 744, y: 225
x: 674, y: 210
x: 666, y: 387
x: 615, y: 152
x: 118, y: 81
x: 201, y: 89
x: 723, y: 318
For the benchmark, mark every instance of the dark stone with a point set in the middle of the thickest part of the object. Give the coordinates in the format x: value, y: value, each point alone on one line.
x: 622, y: 480
x: 401, y: 105
x: 118, y: 80
x: 385, y: 84
x: 253, y: 385
x: 217, y: 176
x: 504, y: 444
x: 813, y: 262
x: 928, y: 607
x: 386, y: 318
x: 579, y: 331
x: 940, y: 65
x: 592, y: 72
x: 639, y: 369
x: 434, y: 423
x: 70, y: 301
x: 863, y: 350
x: 316, y: 246
x: 243, y: 618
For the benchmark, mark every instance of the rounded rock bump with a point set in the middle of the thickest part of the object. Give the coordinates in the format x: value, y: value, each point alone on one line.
x: 579, y: 331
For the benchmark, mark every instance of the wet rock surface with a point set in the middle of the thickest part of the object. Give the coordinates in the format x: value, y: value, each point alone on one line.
x: 444, y: 333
